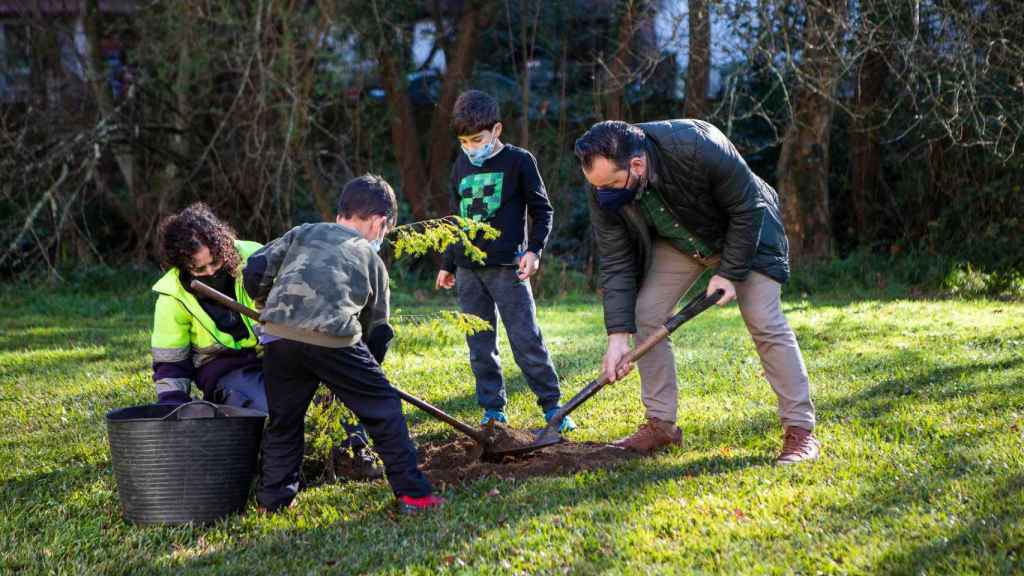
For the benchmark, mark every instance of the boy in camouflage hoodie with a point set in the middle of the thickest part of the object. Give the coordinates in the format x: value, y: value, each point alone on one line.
x: 325, y: 296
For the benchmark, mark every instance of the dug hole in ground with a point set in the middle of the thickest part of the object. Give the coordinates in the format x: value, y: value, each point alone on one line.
x: 461, y: 461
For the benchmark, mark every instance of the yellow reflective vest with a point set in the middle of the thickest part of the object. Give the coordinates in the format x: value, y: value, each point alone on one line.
x: 182, y: 330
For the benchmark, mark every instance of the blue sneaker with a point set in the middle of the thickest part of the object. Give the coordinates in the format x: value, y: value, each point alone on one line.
x: 496, y: 415
x: 567, y: 424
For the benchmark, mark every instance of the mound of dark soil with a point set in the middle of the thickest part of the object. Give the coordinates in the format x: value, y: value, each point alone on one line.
x: 503, y: 437
x: 459, y: 461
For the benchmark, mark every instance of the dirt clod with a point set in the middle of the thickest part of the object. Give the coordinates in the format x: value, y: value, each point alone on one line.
x: 503, y: 437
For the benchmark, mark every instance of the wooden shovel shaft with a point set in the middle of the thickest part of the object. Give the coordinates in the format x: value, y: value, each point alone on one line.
x: 223, y: 299
x: 230, y: 303
x: 436, y: 412
x: 650, y: 342
x: 699, y: 304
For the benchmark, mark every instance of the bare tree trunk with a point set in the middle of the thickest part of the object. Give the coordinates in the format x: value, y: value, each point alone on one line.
x: 459, y: 70
x: 97, y: 80
x: 527, y: 41
x: 699, y: 65
x: 524, y: 120
x: 804, y: 160
x: 45, y: 62
x: 560, y: 201
x: 404, y: 137
x: 615, y: 106
x: 938, y: 183
x: 865, y: 149
x: 167, y: 182
x: 305, y: 75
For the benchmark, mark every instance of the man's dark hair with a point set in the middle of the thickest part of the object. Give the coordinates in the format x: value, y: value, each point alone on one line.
x: 368, y: 195
x: 184, y: 233
x: 474, y: 112
x: 616, y: 140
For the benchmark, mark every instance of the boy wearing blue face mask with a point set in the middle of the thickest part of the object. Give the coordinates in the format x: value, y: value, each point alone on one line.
x: 324, y: 294
x: 500, y: 184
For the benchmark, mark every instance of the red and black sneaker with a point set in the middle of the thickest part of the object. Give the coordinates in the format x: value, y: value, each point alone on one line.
x: 411, y: 505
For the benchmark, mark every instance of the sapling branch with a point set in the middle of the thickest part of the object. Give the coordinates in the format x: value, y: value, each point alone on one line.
x: 436, y: 235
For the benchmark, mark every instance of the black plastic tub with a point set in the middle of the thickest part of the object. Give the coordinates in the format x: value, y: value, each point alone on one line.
x: 189, y: 463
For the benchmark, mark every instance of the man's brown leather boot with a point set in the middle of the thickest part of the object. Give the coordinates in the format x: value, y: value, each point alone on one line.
x: 798, y: 445
x: 653, y: 434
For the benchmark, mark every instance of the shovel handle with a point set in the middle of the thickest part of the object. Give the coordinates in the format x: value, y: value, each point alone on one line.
x: 436, y: 412
x: 222, y: 299
x: 695, y: 306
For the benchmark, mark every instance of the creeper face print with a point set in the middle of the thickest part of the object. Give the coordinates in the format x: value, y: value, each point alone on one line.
x: 480, y: 195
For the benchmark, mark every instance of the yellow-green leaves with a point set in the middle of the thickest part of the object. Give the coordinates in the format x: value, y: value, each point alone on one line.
x: 419, y: 238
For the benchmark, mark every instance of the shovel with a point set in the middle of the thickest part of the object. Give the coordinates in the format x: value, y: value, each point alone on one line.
x: 550, y: 435
x: 476, y: 434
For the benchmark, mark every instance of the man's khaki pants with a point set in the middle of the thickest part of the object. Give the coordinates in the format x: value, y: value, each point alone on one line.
x: 671, y: 275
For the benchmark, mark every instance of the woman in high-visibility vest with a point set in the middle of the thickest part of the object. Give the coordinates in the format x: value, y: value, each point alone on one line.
x: 197, y: 340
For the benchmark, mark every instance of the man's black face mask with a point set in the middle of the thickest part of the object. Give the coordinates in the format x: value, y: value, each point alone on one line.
x: 616, y: 198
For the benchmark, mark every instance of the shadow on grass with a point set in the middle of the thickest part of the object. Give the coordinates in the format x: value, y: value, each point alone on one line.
x: 66, y: 362
x: 873, y: 403
x: 973, y: 534
x: 937, y: 384
x: 351, y: 545
x: 986, y: 533
x: 907, y: 486
x: 67, y: 351
x: 876, y: 402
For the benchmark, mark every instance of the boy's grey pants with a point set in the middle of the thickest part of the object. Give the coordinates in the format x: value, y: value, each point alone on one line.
x: 487, y: 292
x: 672, y: 274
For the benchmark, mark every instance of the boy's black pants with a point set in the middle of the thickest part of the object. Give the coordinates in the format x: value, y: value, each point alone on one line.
x: 292, y: 371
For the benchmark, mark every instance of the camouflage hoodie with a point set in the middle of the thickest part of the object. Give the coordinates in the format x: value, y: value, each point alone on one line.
x: 319, y: 283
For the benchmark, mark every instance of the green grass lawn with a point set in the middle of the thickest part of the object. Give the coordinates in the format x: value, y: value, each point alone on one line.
x: 921, y: 414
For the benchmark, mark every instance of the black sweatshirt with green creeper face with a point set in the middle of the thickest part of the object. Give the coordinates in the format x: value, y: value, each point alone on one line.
x: 501, y: 193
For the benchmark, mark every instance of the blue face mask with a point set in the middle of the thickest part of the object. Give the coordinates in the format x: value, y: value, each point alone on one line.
x: 482, y: 154
x: 377, y: 243
x: 615, y: 198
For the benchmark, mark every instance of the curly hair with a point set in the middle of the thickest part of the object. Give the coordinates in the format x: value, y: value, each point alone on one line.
x: 185, y: 233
